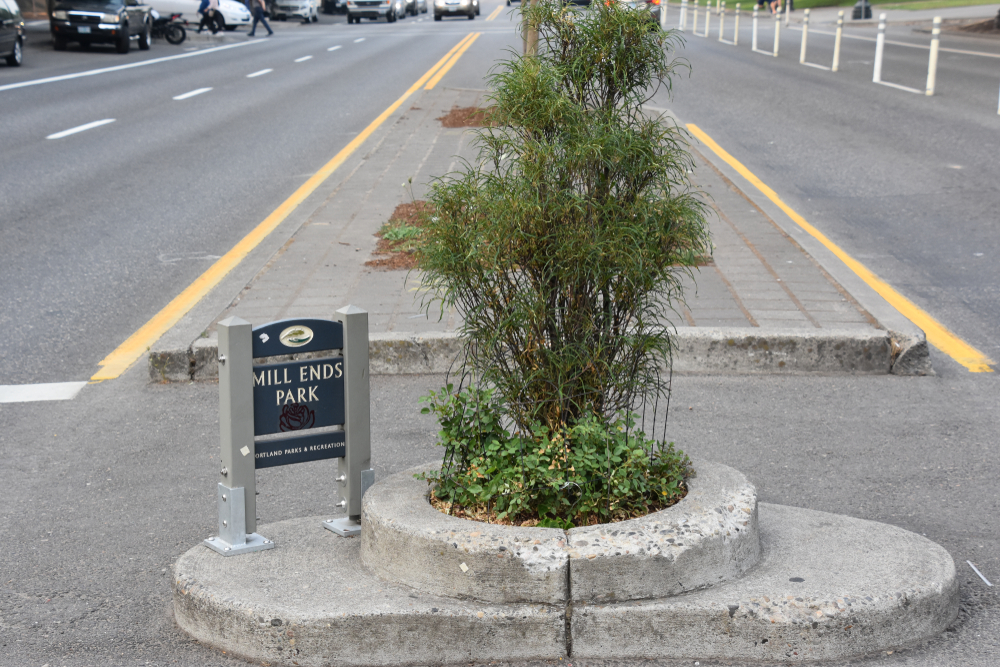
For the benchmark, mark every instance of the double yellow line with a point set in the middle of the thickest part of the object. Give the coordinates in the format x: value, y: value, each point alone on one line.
x: 139, y: 342
x: 937, y: 334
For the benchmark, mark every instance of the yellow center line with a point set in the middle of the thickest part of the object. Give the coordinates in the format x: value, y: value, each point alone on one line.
x: 128, y: 352
x: 937, y: 334
x: 494, y: 13
x: 451, y: 63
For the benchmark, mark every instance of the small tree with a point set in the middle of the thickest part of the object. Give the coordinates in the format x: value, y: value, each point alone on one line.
x: 564, y: 246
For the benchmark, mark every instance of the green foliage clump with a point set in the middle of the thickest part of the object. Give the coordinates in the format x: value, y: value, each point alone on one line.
x: 563, y: 247
x: 576, y: 474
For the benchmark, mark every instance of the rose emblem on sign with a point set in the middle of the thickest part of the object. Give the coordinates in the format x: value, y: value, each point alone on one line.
x: 295, y: 417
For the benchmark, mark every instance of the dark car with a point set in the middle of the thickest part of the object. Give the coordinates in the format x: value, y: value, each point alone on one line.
x: 11, y: 33
x: 89, y: 22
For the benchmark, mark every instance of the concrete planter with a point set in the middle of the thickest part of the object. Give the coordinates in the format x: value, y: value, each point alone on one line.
x: 708, y: 537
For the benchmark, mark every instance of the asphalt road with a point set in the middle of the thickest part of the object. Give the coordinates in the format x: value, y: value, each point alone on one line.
x: 103, y: 227
x: 99, y: 495
x: 906, y: 184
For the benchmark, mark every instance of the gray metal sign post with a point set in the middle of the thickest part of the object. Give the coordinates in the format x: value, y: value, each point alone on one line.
x: 355, y: 475
x: 296, y: 411
x: 237, y: 489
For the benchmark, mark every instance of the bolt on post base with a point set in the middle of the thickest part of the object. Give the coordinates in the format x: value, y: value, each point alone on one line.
x: 254, y: 542
x: 345, y: 527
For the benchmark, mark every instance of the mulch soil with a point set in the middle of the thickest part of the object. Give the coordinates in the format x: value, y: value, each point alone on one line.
x: 467, y: 117
x: 391, y: 255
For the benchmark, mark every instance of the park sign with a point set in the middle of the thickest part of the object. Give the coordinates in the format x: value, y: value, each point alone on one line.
x: 274, y: 411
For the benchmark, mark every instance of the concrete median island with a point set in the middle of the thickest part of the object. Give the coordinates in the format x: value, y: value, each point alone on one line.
x: 717, y: 576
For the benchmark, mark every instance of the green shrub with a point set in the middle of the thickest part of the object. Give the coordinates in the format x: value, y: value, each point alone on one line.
x: 573, y: 475
x: 563, y: 249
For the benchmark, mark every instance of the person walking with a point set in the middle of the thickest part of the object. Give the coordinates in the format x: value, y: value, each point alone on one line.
x: 209, y: 16
x: 258, y: 15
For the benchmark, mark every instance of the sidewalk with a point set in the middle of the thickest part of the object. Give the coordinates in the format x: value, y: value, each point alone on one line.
x: 762, y: 304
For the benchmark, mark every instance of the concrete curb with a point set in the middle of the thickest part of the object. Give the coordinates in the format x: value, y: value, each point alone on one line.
x: 827, y: 587
x: 910, y: 353
x: 697, y: 350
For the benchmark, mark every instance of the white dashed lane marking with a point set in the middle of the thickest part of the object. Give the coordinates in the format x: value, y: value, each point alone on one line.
x: 29, y: 393
x: 359, y: 39
x: 192, y: 93
x: 260, y: 73
x: 80, y: 128
x: 303, y: 59
x: 333, y: 48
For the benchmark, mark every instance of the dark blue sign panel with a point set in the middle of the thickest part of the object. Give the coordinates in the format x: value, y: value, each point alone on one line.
x: 298, y: 395
x: 295, y: 336
x: 299, y: 449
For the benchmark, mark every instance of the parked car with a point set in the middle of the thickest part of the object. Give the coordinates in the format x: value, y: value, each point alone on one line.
x: 89, y: 22
x: 11, y: 33
x: 469, y: 8
x: 334, y: 6
x: 307, y: 10
x: 421, y: 7
x: 232, y: 13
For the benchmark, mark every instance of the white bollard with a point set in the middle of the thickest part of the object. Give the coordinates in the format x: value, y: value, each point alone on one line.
x: 753, y: 38
x: 708, y: 17
x: 836, y: 43
x: 932, y: 63
x: 682, y: 23
x: 777, y: 30
x: 805, y: 38
x: 879, y: 48
x: 717, y: 6
x: 663, y: 15
x: 694, y: 26
x: 786, y: 12
x: 736, y: 28
x: 722, y: 19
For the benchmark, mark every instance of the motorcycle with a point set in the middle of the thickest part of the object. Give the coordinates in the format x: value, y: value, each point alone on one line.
x: 168, y: 28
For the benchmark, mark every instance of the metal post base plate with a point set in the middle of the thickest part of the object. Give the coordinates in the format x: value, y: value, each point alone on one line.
x: 254, y: 543
x: 343, y: 527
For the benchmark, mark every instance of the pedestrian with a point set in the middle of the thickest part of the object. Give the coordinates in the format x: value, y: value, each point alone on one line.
x: 258, y: 15
x: 209, y: 15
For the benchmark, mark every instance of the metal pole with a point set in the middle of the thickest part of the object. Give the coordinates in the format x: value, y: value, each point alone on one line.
x: 836, y: 42
x: 236, y: 496
x: 777, y: 31
x: 736, y: 28
x: 722, y: 19
x: 684, y: 15
x: 753, y: 39
x: 357, y: 410
x: 932, y: 63
x: 879, y: 48
x: 805, y: 38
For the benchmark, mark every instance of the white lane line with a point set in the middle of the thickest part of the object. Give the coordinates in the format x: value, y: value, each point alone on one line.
x: 81, y: 128
x: 260, y: 73
x: 359, y: 39
x: 303, y: 59
x: 333, y: 48
x: 979, y: 573
x: 29, y: 393
x: 192, y: 93
x: 116, y: 68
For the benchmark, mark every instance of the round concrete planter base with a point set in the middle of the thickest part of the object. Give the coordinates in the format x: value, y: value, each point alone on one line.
x: 792, y: 585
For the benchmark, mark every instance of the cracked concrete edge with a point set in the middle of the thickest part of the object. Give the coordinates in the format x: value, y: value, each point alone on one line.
x: 696, y: 350
x: 911, y: 354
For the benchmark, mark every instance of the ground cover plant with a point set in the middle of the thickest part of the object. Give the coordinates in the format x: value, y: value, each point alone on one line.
x: 562, y: 248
